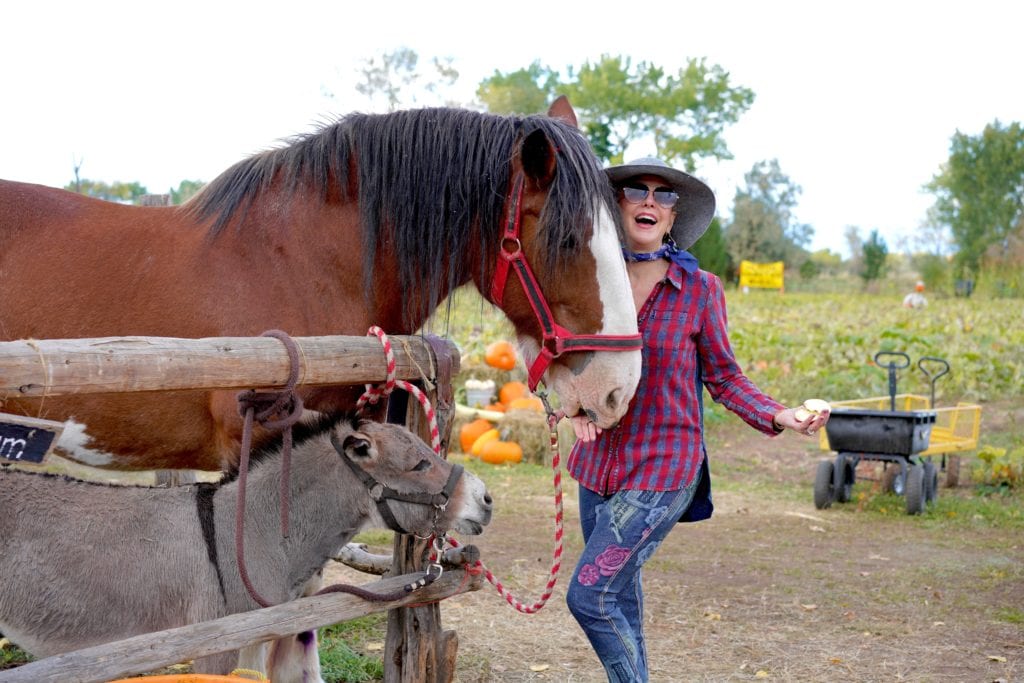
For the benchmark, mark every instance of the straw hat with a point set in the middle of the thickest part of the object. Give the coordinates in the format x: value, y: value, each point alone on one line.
x: 696, y: 206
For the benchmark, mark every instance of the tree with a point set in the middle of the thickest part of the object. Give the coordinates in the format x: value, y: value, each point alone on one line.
x: 874, y: 252
x: 683, y: 114
x: 980, y: 192
x: 711, y: 252
x: 763, y: 227
x: 113, y: 192
x: 396, y: 75
x: 186, y: 188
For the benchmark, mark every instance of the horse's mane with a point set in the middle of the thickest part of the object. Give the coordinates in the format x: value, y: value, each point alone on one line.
x: 420, y: 174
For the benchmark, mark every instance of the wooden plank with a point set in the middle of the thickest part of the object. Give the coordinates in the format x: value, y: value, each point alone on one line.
x: 149, y: 652
x: 30, y: 367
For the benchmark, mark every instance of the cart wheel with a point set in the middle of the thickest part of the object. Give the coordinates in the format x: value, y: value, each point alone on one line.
x: 824, y: 485
x: 931, y: 482
x: 845, y: 473
x: 893, y: 479
x: 915, y: 492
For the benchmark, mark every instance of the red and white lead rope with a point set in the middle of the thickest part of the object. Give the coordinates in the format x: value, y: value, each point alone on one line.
x: 556, y: 561
x: 375, y: 393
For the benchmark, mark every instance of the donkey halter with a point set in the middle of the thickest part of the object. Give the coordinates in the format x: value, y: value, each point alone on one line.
x: 381, y: 494
x: 556, y: 339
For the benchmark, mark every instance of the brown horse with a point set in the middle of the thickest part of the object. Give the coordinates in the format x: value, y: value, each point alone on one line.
x: 371, y: 220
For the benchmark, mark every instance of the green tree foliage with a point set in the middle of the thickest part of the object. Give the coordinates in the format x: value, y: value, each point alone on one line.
x: 186, y: 188
x: 112, y: 192
x: 980, y: 192
x: 526, y: 91
x: 683, y: 113
x: 763, y: 227
x: 711, y: 252
x: 875, y: 252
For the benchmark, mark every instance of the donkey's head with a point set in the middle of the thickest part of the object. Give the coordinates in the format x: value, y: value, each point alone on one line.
x: 415, y: 490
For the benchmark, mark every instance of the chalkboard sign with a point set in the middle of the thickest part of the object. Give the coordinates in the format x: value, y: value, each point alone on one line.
x: 27, y: 439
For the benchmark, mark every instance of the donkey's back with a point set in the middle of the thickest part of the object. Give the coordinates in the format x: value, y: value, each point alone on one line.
x: 71, y: 553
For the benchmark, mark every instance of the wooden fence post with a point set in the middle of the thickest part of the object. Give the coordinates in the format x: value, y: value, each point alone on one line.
x: 416, y: 649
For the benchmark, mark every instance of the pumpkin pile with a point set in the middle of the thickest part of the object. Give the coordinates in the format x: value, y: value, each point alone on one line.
x: 480, y: 437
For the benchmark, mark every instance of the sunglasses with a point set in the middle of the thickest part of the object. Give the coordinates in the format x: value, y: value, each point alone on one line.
x: 665, y: 197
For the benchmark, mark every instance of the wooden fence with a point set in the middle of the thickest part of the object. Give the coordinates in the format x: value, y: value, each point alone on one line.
x: 416, y: 648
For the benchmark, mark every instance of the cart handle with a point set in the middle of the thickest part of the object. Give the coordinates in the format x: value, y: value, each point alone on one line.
x: 893, y: 367
x: 930, y: 376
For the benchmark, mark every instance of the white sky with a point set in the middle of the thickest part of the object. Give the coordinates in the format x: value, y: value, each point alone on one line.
x: 857, y: 101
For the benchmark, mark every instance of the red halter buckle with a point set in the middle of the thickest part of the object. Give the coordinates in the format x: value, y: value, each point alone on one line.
x: 556, y: 339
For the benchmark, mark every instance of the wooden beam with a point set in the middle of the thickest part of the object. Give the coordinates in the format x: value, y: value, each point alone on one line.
x: 31, y: 367
x: 149, y: 652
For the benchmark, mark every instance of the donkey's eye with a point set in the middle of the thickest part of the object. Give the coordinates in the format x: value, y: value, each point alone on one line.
x: 421, y: 465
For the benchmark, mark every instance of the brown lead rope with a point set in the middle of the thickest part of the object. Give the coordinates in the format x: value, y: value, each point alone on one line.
x: 262, y: 407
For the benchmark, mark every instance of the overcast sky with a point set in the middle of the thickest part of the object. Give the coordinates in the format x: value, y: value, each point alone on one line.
x: 857, y: 101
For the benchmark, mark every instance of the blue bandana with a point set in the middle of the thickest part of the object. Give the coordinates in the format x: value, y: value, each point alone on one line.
x: 670, y: 251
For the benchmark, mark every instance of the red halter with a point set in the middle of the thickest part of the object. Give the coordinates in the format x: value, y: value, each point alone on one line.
x: 556, y: 339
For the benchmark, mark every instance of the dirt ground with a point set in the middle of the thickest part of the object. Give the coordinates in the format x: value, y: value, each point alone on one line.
x: 769, y: 589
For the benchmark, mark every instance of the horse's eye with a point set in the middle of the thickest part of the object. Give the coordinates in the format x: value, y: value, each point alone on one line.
x: 421, y: 465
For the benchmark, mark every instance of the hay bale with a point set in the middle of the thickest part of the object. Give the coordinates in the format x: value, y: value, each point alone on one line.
x: 529, y: 429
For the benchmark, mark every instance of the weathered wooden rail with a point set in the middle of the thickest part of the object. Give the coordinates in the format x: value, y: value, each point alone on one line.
x: 154, y: 650
x: 51, y: 367
x: 416, y: 648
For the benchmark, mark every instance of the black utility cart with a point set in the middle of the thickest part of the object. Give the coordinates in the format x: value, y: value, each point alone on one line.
x: 903, y: 431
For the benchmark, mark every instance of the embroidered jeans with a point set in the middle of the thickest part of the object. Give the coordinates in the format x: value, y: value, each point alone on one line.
x: 605, y: 594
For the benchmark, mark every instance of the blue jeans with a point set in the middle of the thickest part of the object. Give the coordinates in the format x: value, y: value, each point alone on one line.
x: 605, y: 594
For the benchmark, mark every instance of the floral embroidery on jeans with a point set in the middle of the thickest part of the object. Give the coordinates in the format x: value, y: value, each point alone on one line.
x: 611, y: 559
x: 588, y: 575
x: 655, y: 515
x: 645, y: 553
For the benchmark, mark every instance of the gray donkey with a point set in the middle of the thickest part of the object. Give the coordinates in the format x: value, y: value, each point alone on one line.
x: 84, y: 563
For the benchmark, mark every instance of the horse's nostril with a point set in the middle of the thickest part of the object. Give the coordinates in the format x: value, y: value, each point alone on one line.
x: 612, y: 400
x: 487, y: 500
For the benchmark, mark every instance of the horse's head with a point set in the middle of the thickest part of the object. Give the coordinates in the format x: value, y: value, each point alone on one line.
x: 560, y: 276
x: 415, y: 490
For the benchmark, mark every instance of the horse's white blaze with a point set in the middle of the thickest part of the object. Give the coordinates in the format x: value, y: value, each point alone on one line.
x: 74, y: 443
x: 605, y: 386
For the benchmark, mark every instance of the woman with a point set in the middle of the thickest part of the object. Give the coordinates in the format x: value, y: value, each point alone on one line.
x: 650, y: 471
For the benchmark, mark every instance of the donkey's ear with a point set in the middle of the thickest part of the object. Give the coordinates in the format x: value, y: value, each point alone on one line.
x: 357, y: 445
x: 561, y: 109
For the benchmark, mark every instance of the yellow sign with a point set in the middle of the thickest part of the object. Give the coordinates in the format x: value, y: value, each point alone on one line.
x: 763, y: 275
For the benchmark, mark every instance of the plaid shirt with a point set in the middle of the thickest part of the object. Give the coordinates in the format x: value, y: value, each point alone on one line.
x: 658, y: 444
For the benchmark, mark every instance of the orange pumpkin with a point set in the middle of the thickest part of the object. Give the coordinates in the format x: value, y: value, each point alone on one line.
x: 498, y: 452
x: 471, y: 431
x: 496, y: 407
x: 511, y: 391
x: 501, y: 355
x: 527, y: 403
x: 482, y: 440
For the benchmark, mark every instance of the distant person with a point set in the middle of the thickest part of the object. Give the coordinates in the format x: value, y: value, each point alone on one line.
x: 916, y: 298
x: 640, y: 477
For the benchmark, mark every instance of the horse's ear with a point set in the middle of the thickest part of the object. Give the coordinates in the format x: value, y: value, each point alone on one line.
x: 538, y: 158
x: 357, y: 445
x: 561, y: 109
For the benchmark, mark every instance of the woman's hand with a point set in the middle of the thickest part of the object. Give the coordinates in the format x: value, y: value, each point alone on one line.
x: 585, y: 429
x: 801, y: 420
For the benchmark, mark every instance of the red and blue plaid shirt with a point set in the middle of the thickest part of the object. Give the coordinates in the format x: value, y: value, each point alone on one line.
x: 658, y: 444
